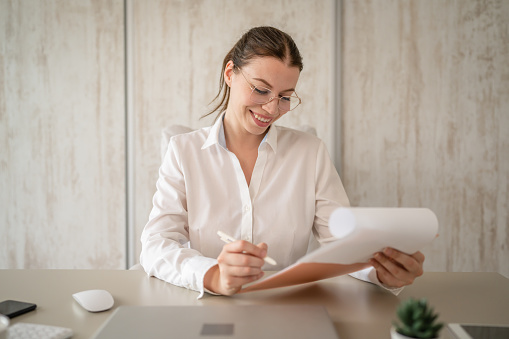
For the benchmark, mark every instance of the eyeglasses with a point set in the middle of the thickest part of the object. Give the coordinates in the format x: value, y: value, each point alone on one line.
x: 262, y: 95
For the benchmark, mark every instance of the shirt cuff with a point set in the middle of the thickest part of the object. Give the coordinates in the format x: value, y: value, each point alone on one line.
x: 195, y: 271
x: 202, y: 289
x: 205, y: 289
x: 369, y: 275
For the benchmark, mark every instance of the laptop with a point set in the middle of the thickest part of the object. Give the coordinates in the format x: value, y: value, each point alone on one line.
x: 215, y: 322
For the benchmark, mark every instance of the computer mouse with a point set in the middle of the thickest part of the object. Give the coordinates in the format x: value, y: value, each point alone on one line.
x: 94, y: 300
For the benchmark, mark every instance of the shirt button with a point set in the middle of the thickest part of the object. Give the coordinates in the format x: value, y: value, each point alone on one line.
x: 247, y: 208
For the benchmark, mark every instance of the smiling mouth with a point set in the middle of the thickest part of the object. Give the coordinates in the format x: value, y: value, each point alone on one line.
x: 261, y: 119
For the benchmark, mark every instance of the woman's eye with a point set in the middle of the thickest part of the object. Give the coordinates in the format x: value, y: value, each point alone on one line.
x: 261, y: 91
x: 286, y: 98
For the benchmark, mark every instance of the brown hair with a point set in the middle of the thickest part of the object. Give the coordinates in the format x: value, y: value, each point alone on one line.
x: 257, y: 42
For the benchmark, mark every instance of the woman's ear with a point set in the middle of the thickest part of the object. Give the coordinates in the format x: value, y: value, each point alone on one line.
x: 228, y: 73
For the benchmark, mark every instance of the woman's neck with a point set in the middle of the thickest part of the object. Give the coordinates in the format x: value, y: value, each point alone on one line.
x: 237, y: 138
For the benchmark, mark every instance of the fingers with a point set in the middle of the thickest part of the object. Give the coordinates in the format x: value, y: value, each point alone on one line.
x: 411, y: 263
x: 217, y: 281
x: 264, y: 247
x: 230, y: 284
x: 239, y: 263
x: 419, y: 257
x: 248, y: 254
x: 397, y: 269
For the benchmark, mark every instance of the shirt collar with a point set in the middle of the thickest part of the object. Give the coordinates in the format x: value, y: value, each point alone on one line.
x: 213, y: 137
x: 271, y: 138
x: 216, y: 136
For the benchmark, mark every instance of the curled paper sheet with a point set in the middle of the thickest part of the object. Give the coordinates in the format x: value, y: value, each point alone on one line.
x: 358, y: 234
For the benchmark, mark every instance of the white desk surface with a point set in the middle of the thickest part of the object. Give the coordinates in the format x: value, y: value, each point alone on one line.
x: 358, y: 309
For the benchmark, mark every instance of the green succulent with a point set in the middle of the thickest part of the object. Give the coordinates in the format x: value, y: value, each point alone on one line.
x: 418, y: 320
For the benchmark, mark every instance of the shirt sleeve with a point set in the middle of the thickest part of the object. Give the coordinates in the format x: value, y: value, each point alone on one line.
x: 369, y: 275
x: 329, y: 192
x: 165, y: 252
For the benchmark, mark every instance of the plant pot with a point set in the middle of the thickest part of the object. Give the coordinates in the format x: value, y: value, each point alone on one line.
x: 396, y: 335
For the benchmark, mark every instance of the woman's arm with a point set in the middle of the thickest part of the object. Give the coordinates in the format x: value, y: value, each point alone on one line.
x: 391, y: 269
x: 165, y: 252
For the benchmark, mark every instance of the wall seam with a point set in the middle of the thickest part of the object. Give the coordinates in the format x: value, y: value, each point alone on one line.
x: 129, y: 133
x: 337, y: 90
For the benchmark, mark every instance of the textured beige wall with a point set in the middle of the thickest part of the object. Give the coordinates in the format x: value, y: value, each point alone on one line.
x: 426, y: 120
x: 62, y: 200
x: 179, y: 47
x: 425, y: 114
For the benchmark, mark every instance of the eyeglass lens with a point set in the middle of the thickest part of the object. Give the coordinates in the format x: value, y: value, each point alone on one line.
x: 263, y: 95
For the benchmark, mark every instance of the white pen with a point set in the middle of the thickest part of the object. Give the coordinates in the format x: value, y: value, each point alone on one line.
x: 228, y: 239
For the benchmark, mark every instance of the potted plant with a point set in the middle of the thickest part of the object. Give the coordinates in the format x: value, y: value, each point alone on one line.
x: 416, y: 320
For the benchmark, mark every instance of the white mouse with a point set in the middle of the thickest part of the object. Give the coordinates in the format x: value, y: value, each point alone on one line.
x: 94, y: 300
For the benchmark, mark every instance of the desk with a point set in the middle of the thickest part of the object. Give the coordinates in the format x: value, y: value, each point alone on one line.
x: 358, y: 309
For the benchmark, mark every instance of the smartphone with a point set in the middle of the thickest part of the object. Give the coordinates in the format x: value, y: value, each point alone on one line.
x: 464, y: 331
x: 13, y: 308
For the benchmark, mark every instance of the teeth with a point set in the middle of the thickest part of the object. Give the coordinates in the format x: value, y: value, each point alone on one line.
x: 260, y: 118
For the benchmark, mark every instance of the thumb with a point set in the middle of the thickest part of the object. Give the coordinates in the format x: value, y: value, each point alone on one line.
x: 264, y: 247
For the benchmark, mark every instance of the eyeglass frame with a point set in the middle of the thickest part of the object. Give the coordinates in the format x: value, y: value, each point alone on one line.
x: 253, y: 87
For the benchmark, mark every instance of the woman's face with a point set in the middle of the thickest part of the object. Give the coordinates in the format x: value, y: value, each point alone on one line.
x: 242, y: 114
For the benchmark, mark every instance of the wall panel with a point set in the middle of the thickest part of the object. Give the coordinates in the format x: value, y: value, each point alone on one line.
x: 426, y: 120
x: 62, y: 181
x: 179, y: 47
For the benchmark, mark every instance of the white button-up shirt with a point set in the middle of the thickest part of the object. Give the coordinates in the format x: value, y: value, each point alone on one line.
x: 202, y: 189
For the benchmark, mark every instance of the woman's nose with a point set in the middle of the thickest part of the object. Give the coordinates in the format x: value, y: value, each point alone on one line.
x: 272, y: 107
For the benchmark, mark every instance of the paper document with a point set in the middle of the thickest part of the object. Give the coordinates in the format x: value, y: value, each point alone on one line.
x: 358, y: 233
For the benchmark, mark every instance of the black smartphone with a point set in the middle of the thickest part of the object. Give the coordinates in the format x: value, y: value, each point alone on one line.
x: 13, y: 308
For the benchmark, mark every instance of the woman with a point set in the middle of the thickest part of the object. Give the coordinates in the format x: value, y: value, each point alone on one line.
x: 255, y: 181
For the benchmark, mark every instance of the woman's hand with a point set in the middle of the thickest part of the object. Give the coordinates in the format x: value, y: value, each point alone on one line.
x: 397, y: 269
x: 239, y: 263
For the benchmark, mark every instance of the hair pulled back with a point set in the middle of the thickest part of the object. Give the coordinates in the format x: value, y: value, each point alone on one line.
x: 264, y: 41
